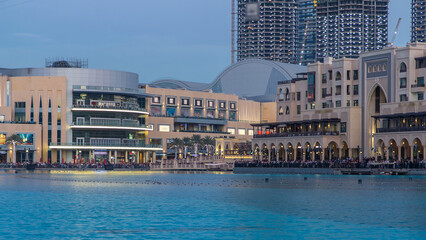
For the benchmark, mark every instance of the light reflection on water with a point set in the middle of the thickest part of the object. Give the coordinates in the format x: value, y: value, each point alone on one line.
x: 205, y: 205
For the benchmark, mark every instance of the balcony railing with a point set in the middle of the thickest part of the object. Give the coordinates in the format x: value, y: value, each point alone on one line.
x: 417, y: 85
x: 111, y: 108
x: 109, y: 89
x: 401, y: 129
x: 199, y: 131
x: 128, y: 144
x: 112, y: 123
x: 321, y: 133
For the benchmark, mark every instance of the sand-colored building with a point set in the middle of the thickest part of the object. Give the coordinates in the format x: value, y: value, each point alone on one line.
x: 372, y: 106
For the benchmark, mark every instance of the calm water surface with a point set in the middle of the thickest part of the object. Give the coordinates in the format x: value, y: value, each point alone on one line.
x: 211, y: 206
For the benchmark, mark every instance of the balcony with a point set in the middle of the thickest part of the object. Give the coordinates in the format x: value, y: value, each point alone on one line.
x: 201, y: 120
x: 401, y: 129
x: 304, y: 134
x: 419, y: 87
x: 112, y: 124
x: 199, y: 131
x: 115, y: 146
x: 110, y: 108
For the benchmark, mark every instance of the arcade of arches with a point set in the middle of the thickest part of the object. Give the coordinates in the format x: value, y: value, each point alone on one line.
x: 394, y: 149
x: 303, y: 151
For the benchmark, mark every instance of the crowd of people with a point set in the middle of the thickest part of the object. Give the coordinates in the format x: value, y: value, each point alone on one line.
x: 77, y: 165
x: 335, y: 163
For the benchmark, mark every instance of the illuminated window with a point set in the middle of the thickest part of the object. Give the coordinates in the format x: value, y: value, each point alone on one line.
x: 231, y: 130
x: 241, y: 131
x: 163, y: 128
x: 156, y: 99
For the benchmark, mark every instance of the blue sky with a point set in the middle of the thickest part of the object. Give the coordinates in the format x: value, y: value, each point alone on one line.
x: 180, y: 39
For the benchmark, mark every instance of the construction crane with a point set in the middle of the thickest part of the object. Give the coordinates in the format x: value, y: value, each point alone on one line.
x: 394, y: 34
x: 304, y: 43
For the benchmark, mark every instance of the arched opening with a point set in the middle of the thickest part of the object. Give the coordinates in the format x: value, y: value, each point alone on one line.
x: 374, y: 68
x: 377, y: 98
x: 281, y: 152
x: 369, y: 69
x: 287, y: 94
x: 308, y: 151
x: 403, y: 67
x: 219, y: 150
x: 281, y: 111
x: 299, y: 152
x: 281, y: 95
x: 287, y: 110
x: 345, y: 150
x: 256, y: 152
x: 290, y: 152
x: 273, y: 153
x: 384, y: 67
x: 379, y: 68
x: 393, y: 150
x: 418, y: 150
x: 405, y: 150
x: 265, y: 153
x: 317, y: 151
x: 380, y: 150
x: 332, y: 152
x: 338, y: 76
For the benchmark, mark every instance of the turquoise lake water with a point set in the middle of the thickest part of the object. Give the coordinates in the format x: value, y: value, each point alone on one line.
x: 211, y: 206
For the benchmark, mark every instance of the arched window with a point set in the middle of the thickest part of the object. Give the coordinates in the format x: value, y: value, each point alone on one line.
x: 287, y: 94
x: 281, y: 111
x: 281, y: 95
x: 338, y: 76
x: 403, y: 67
x: 379, y: 68
x: 374, y: 68
x: 287, y: 111
x: 369, y: 69
x: 384, y: 67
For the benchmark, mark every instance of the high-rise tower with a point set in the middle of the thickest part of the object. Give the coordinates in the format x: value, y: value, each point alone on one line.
x: 345, y: 28
x: 306, y: 31
x: 266, y: 29
x: 418, y: 20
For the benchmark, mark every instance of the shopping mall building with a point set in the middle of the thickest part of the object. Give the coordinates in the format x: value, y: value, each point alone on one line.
x: 66, y: 112
x: 371, y: 106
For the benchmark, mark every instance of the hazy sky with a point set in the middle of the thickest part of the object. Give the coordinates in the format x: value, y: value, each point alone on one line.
x: 180, y: 39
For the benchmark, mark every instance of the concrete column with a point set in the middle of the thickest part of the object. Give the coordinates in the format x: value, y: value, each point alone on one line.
x: 137, y: 157
x: 269, y: 155
x: 126, y: 158
x: 387, y: 154
x: 412, y: 153
x: 323, y: 153
x: 115, y: 156
x: 146, y: 153
x: 304, y: 155
x: 399, y: 153
x: 154, y: 157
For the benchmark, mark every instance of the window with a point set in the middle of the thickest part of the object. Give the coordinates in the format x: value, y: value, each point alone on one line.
x: 298, y: 109
x: 250, y: 132
x: 232, y: 115
x: 348, y: 75
x: 222, y: 104
x: 369, y: 69
x: 171, y: 100
x: 280, y: 111
x: 324, y: 78
x: 281, y: 95
x: 374, y: 68
x: 156, y: 99
x: 2, y: 138
x: 210, y: 103
x: 355, y: 74
x: 185, y: 112
x: 170, y: 111
x: 338, y: 103
x: 348, y: 90
x: 298, y: 96
x: 402, y: 82
x: 287, y: 110
x: 19, y: 104
x: 222, y: 114
x: 420, y: 82
x: 198, y: 112
x: 420, y: 63
x: 324, y: 92
x: 156, y: 111
x: 348, y: 103
x: 379, y: 68
x: 355, y: 89
x: 163, y: 128
x: 384, y: 67
x: 232, y: 105
x: 198, y: 102
x: 211, y: 114
x: 2, y: 117
x: 338, y: 90
x: 343, y: 127
x: 324, y: 105
x: 355, y: 103
x: 231, y: 130
x: 420, y: 96
x: 241, y: 131
x: 330, y: 74
x: 403, y: 67
x: 185, y: 101
x: 312, y: 105
x: 403, y: 98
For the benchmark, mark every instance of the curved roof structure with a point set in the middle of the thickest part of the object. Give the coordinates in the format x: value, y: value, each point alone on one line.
x: 255, y: 79
x: 178, y: 84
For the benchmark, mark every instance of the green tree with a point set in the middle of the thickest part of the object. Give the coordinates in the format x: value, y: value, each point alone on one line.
x: 196, y: 140
x: 186, y: 142
x: 13, y: 140
x: 208, y: 143
x: 176, y: 144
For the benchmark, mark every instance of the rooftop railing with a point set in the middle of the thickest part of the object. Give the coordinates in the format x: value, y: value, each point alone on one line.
x: 109, y: 89
x: 401, y: 129
x: 319, y: 133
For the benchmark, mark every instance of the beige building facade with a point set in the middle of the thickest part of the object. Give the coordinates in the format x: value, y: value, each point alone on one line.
x: 372, y: 106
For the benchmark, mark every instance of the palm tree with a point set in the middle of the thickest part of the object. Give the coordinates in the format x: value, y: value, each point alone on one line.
x: 208, y: 142
x: 14, y: 139
x: 186, y: 142
x: 196, y: 140
x: 176, y: 143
